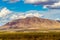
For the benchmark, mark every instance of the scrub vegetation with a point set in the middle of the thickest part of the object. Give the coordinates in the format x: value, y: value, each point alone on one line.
x: 29, y: 36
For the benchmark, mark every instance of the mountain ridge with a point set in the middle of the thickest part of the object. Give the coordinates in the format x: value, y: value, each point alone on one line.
x: 31, y: 23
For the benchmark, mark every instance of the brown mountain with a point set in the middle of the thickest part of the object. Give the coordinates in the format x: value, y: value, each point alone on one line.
x: 31, y: 23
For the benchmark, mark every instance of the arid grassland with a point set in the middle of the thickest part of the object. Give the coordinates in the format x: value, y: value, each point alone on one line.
x: 29, y: 36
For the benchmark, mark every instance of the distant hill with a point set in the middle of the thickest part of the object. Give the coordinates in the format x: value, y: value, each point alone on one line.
x: 31, y: 23
x: 58, y: 21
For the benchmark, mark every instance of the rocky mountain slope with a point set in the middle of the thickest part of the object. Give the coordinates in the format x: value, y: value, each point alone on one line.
x: 31, y: 23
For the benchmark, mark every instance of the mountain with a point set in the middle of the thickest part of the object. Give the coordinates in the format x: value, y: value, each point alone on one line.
x: 31, y: 23
x: 58, y: 21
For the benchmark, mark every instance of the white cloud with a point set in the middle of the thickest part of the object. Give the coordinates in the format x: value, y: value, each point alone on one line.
x: 55, y: 5
x: 34, y: 1
x: 45, y: 6
x: 57, y: 19
x: 13, y: 17
x: 26, y: 14
x: 50, y: 14
x: 4, y: 12
x: 33, y: 14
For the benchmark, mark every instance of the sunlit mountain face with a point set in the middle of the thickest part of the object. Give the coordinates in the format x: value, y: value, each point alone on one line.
x: 31, y: 24
x: 24, y: 9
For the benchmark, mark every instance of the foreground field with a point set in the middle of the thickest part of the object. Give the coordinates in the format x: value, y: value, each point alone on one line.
x: 29, y: 36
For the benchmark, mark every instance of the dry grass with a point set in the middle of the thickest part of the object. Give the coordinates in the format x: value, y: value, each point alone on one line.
x: 30, y: 36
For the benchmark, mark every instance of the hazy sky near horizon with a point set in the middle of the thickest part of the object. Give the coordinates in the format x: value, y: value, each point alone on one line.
x: 14, y: 9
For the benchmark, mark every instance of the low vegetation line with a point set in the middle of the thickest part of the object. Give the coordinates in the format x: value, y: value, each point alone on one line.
x: 30, y: 36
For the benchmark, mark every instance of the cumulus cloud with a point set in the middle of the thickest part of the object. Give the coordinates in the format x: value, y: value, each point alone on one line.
x: 26, y: 14
x: 4, y: 16
x: 54, y: 6
x: 44, y: 2
x: 11, y: 1
x: 4, y: 12
x: 50, y: 14
x: 33, y: 13
x: 34, y: 1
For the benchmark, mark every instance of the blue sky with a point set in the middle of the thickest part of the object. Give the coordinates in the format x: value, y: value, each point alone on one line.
x: 14, y: 9
x: 20, y: 6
